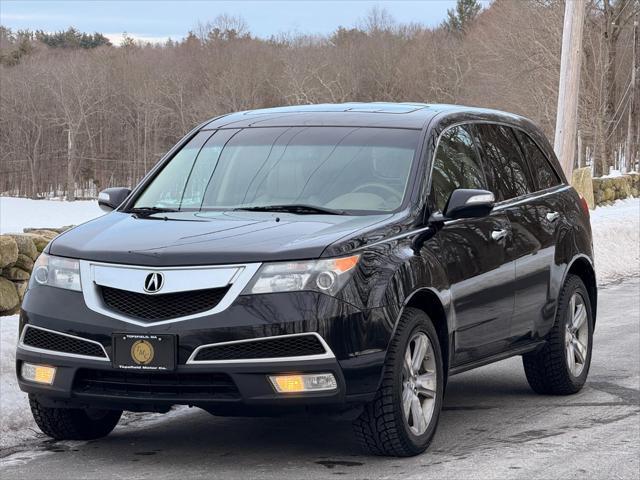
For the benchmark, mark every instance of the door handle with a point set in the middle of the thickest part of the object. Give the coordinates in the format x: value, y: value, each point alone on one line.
x: 552, y: 216
x: 499, y: 234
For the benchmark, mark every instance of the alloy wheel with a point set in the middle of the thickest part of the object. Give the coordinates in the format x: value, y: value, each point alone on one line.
x: 576, y: 338
x: 419, y: 382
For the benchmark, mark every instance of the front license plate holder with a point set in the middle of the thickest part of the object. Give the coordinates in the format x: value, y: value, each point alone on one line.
x: 144, y: 352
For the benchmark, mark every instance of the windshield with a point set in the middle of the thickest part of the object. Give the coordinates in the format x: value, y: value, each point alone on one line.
x: 344, y: 169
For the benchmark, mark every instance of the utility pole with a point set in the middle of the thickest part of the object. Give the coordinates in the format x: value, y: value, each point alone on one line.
x: 634, y: 110
x: 570, y: 62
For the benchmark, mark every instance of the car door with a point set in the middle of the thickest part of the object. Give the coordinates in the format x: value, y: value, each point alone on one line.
x: 473, y: 253
x: 532, y: 243
x: 540, y: 216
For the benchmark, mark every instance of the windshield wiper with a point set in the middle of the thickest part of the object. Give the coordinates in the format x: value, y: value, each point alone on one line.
x: 300, y: 209
x: 146, y: 211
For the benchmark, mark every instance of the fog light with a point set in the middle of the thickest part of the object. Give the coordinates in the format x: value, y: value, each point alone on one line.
x: 313, y: 382
x: 38, y: 373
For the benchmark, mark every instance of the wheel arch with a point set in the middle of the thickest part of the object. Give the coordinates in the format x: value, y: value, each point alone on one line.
x: 431, y: 303
x: 582, y: 267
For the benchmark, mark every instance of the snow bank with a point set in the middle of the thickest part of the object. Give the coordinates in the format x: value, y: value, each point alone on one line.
x: 616, y: 232
x: 19, y: 213
x: 16, y: 424
x: 616, y: 240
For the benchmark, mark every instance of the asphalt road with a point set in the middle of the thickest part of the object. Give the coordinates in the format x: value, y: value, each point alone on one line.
x: 493, y: 426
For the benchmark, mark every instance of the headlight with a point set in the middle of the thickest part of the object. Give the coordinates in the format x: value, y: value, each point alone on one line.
x: 56, y: 272
x: 326, y: 276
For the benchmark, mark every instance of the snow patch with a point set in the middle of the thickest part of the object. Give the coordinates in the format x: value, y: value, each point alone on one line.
x: 616, y: 240
x: 19, y: 213
x: 16, y: 424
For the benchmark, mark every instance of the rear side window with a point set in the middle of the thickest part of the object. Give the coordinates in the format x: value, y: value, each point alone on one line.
x: 506, y: 169
x: 456, y: 165
x: 541, y: 169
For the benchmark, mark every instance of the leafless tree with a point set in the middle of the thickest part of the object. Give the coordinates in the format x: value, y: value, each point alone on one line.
x: 74, y: 121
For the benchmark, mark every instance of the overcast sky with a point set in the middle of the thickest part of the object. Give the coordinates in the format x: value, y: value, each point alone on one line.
x: 158, y: 20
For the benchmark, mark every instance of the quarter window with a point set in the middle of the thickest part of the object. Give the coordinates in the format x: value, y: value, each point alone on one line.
x: 542, y: 170
x: 456, y: 165
x: 506, y: 170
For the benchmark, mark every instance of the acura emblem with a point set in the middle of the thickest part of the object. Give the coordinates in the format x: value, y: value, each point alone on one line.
x: 153, y: 283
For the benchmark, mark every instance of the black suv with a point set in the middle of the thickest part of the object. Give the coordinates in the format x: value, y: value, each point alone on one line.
x: 329, y: 258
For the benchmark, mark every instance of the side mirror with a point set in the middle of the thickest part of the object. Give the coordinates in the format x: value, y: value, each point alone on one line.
x: 111, y: 198
x: 467, y: 203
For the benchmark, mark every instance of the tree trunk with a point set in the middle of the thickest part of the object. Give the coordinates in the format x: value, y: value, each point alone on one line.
x: 71, y: 183
x: 609, y: 107
x: 599, y: 150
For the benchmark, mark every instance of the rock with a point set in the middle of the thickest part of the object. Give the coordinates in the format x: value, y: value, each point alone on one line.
x: 8, y: 250
x: 583, y: 183
x: 21, y: 288
x: 57, y: 230
x: 25, y: 245
x: 39, y: 240
x: 24, y: 263
x: 44, y: 232
x: 41, y: 236
x: 15, y: 273
x: 13, y: 311
x: 609, y: 194
x: 9, y: 299
x: 624, y: 187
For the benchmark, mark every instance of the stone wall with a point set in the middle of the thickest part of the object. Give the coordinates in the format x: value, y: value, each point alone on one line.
x: 601, y: 191
x: 607, y: 190
x: 18, y: 252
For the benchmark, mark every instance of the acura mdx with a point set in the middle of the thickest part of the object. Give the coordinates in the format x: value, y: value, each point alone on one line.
x: 319, y: 259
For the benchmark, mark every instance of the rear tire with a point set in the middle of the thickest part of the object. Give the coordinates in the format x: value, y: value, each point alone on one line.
x: 562, y: 365
x: 402, y: 419
x: 73, y: 423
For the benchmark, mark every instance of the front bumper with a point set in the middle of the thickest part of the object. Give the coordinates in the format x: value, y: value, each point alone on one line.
x: 357, y: 341
x: 249, y: 389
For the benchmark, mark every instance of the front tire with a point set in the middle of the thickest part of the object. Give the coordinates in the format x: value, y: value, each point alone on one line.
x: 402, y: 419
x: 73, y: 423
x: 562, y: 365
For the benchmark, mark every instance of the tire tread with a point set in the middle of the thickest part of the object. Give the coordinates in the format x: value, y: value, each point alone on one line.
x: 377, y: 429
x: 71, y: 423
x: 546, y: 369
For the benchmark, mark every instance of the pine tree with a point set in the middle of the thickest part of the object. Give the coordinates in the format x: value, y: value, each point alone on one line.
x: 462, y: 15
x: 72, y: 38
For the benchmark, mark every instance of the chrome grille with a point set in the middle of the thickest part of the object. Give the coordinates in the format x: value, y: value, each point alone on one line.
x: 162, y: 306
x: 274, y: 347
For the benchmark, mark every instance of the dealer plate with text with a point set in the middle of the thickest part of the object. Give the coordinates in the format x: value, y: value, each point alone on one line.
x: 144, y: 351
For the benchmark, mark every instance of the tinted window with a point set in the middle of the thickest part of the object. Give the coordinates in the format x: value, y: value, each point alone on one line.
x: 456, y: 165
x: 506, y: 171
x: 541, y: 169
x: 343, y: 168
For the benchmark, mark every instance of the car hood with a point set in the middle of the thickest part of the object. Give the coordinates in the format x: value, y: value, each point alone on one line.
x: 207, y: 238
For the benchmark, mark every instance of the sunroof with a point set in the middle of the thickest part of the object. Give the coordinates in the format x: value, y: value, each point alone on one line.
x: 345, y: 107
x: 385, y: 108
